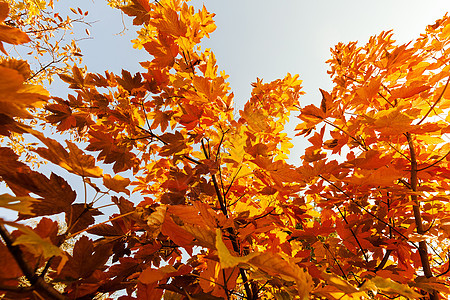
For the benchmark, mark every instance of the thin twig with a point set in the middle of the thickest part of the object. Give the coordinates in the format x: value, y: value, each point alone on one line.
x: 435, y: 103
x: 369, y: 212
x: 98, y: 224
x: 435, y: 163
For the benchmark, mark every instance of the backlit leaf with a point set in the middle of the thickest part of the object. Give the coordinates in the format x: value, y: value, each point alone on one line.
x: 21, y: 204
x: 74, y: 160
x: 116, y: 183
x: 227, y: 260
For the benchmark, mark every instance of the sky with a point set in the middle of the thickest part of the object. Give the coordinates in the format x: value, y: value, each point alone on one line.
x: 264, y: 39
x: 267, y: 39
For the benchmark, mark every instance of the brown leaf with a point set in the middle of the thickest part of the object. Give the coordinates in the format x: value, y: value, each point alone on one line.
x: 57, y: 195
x: 86, y: 259
x: 10, y: 34
x: 80, y: 216
x: 176, y: 143
x: 10, y: 274
x: 117, y: 183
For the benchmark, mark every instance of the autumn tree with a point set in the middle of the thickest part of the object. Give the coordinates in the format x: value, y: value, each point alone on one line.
x: 220, y: 214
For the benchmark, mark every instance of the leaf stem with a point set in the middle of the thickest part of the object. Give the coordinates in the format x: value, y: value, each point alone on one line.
x: 98, y: 224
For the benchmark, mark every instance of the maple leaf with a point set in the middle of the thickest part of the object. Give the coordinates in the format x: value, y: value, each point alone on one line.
x: 10, y: 34
x: 256, y: 118
x: 203, y: 171
x: 118, y: 229
x: 110, y: 152
x: 116, y: 183
x: 176, y: 233
x: 367, y: 93
x: 327, y: 101
x: 211, y: 275
x: 48, y: 229
x: 392, y: 121
x: 86, y: 259
x: 80, y: 216
x: 21, y: 204
x: 227, y: 260
x: 409, y: 91
x: 389, y: 286
x: 161, y: 119
x: 63, y: 115
x: 8, y: 125
x: 16, y: 95
x: 149, y: 291
x: 170, y: 23
x: 10, y: 274
x: 156, y: 219
x: 139, y: 9
x: 164, y: 51
x: 175, y: 143
x: 275, y: 264
x: 128, y: 82
x: 56, y: 194
x: 279, y: 170
x: 74, y: 161
x: 191, y: 117
x: 36, y: 244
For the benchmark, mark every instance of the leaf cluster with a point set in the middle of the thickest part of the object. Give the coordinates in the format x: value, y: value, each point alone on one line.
x: 215, y: 210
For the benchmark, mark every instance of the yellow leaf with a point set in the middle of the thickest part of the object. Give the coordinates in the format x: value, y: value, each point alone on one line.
x: 37, y: 245
x: 20, y: 204
x: 275, y: 265
x: 203, y: 236
x: 156, y: 219
x: 389, y: 286
x: 227, y: 260
x: 392, y: 121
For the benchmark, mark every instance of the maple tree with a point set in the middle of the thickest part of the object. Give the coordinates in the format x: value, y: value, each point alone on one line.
x: 221, y: 214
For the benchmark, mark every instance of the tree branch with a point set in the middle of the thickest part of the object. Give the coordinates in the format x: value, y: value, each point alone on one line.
x: 423, y: 251
x: 36, y: 281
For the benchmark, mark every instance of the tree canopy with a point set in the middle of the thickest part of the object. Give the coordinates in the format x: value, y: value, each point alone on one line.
x: 206, y: 205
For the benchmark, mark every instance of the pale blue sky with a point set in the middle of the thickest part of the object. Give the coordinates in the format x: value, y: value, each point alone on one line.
x: 267, y: 39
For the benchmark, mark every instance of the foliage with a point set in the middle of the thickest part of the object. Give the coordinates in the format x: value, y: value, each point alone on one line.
x: 51, y: 50
x: 221, y: 214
